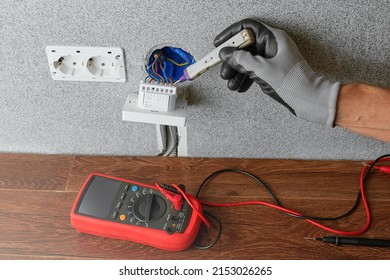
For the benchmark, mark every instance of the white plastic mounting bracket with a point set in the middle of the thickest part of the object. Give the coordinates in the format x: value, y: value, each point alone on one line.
x: 105, y: 64
x: 132, y: 112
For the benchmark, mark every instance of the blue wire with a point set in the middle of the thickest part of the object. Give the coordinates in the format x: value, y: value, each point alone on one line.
x: 152, y: 75
x: 163, y: 71
x: 168, y: 69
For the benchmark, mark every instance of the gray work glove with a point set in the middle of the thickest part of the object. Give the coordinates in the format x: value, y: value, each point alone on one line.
x: 275, y: 63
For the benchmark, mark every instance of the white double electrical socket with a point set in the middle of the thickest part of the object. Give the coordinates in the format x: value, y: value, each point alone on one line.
x: 86, y: 63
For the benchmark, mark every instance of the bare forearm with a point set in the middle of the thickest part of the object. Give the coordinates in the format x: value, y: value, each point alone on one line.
x: 364, y: 109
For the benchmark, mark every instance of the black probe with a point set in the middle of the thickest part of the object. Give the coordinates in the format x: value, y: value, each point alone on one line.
x: 369, y: 242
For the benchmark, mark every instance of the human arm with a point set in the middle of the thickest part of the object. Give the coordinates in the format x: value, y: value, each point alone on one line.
x: 364, y: 109
x: 276, y: 65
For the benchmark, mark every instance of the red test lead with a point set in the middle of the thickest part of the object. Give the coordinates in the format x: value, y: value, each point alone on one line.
x: 175, y: 198
x: 385, y: 169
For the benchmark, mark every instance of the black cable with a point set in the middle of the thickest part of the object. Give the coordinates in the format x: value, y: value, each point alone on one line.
x: 208, y: 246
x: 254, y: 177
x: 356, y: 204
x: 211, y: 244
x: 273, y: 196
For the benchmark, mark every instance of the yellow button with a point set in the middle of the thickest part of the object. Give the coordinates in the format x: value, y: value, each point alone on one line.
x: 122, y: 217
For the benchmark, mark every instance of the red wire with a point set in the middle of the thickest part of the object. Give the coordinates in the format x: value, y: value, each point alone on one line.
x: 335, y: 231
x: 188, y: 201
x: 191, y: 204
x: 154, y: 67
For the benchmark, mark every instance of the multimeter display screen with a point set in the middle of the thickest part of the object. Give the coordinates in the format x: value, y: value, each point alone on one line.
x: 99, y: 196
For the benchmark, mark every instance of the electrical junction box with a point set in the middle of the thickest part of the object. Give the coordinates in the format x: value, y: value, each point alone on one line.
x: 157, y: 97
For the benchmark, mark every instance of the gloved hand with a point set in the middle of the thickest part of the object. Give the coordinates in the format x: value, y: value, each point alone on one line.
x: 275, y: 63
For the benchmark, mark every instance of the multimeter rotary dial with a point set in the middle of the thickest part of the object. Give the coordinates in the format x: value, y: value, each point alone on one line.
x: 149, y: 208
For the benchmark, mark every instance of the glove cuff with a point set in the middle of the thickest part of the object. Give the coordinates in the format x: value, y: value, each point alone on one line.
x: 313, y: 97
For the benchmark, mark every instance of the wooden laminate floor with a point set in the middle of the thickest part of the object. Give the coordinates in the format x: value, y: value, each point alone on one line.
x: 37, y: 193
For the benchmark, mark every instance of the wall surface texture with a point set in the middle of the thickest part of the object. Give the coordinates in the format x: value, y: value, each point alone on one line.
x: 345, y: 40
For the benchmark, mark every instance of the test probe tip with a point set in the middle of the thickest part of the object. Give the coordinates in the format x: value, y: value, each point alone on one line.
x: 185, y: 76
x: 313, y: 238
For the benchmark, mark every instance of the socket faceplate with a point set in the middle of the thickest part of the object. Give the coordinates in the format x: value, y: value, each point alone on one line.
x: 103, y: 64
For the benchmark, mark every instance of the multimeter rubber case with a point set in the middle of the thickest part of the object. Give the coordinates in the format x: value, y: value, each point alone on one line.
x: 122, y: 209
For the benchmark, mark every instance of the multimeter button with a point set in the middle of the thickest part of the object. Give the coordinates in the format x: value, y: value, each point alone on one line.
x: 122, y: 217
x: 123, y: 195
x: 114, y: 214
x: 134, y: 188
x: 126, y: 188
x: 118, y: 205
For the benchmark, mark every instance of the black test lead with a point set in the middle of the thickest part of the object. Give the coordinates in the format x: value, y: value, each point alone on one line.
x: 338, y: 241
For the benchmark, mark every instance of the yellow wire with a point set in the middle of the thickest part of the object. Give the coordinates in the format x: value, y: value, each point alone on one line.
x: 174, y: 62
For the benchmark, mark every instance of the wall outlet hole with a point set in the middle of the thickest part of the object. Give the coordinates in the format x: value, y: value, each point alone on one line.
x: 68, y: 66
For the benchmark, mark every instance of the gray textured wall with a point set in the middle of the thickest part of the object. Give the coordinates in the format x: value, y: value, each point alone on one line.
x: 347, y: 40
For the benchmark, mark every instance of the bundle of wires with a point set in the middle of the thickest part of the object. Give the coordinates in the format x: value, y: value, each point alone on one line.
x: 166, y: 65
x: 314, y: 220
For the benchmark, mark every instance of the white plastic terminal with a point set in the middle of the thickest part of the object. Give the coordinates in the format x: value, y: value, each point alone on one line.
x: 157, y: 97
x: 104, y: 64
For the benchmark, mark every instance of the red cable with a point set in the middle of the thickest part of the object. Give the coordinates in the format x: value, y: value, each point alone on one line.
x: 164, y: 192
x: 191, y: 204
x: 385, y: 169
x: 335, y: 231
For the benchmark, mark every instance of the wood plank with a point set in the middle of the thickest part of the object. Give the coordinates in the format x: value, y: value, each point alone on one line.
x: 34, y: 172
x: 290, y: 178
x: 35, y: 203
x: 32, y: 231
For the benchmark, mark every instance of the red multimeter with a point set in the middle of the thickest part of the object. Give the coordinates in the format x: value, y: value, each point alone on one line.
x: 116, y: 208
